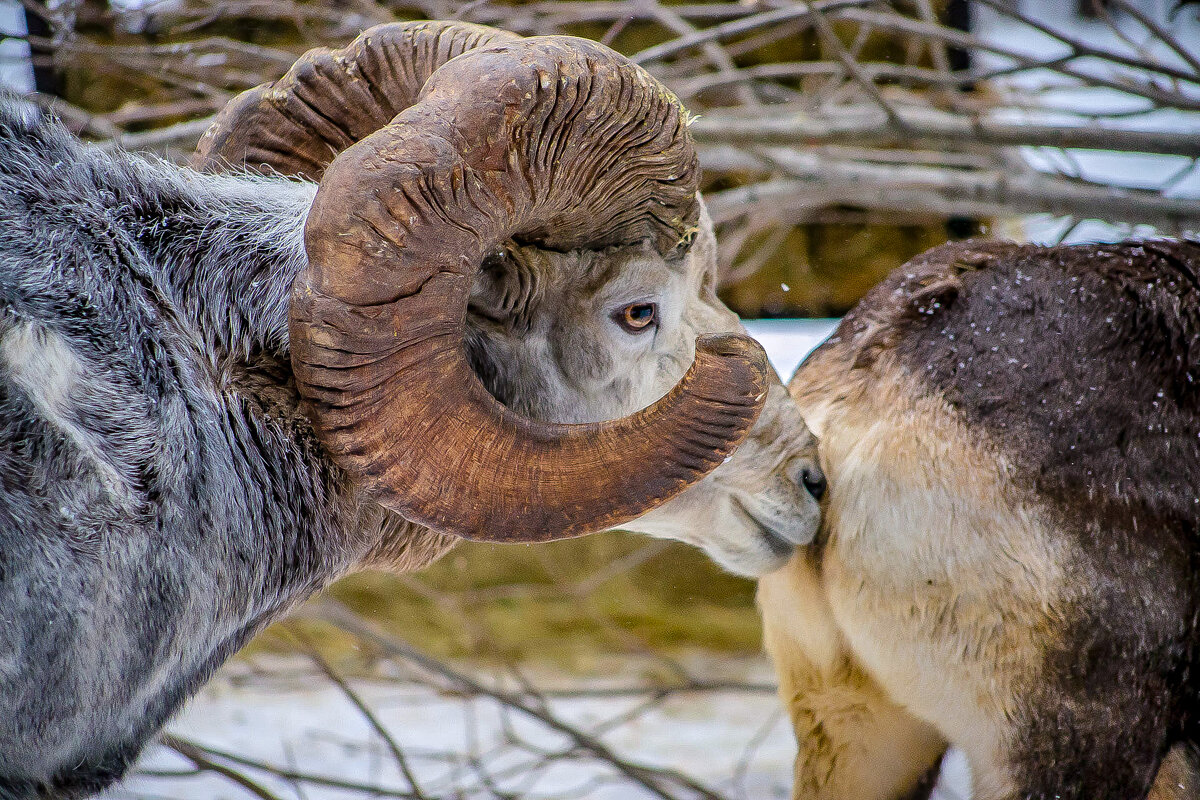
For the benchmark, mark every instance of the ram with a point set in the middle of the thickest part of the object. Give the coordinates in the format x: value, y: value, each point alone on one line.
x: 220, y: 392
x: 1010, y: 562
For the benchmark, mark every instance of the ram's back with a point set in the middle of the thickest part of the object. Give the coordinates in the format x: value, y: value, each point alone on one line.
x: 143, y: 499
x: 84, y: 378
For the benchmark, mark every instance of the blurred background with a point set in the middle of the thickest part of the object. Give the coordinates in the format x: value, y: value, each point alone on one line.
x: 838, y: 138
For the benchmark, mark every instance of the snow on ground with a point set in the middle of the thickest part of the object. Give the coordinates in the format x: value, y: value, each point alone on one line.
x: 15, y: 70
x: 738, y: 743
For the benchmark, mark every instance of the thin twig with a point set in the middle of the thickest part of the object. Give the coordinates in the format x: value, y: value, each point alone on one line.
x: 712, y: 50
x: 825, y: 30
x: 1153, y: 93
x: 1081, y: 48
x: 363, y: 709
x: 650, y: 778
x: 208, y: 752
x: 203, y: 762
x: 737, y: 27
x: 1161, y: 34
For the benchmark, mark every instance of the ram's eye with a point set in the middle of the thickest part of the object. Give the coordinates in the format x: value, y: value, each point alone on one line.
x: 638, y: 317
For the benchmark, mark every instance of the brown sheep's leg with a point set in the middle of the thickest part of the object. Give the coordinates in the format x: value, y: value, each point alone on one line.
x: 928, y: 782
x: 853, y: 740
x: 1091, y: 741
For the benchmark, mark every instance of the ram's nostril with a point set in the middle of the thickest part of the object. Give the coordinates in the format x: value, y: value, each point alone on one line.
x: 814, y: 481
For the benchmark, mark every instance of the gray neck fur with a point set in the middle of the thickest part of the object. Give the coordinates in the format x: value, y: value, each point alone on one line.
x: 161, y: 496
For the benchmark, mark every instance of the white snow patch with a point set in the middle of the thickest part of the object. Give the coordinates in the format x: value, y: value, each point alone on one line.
x: 16, y: 69
x: 738, y: 742
x: 789, y: 341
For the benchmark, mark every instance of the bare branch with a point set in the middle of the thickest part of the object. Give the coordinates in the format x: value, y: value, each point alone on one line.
x: 951, y: 193
x: 1161, y: 34
x: 203, y: 762
x: 868, y: 124
x: 212, y: 754
x: 655, y: 780
x: 332, y: 674
x: 753, y: 22
x: 176, y: 140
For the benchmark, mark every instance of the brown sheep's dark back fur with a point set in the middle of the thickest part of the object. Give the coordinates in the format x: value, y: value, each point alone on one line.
x: 1080, y: 367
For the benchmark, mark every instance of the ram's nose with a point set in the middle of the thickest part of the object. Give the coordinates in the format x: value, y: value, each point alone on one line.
x: 807, y: 473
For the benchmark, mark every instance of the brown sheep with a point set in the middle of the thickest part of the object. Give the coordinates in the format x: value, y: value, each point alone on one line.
x: 1010, y: 558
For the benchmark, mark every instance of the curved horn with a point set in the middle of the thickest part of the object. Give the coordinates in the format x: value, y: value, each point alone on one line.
x: 552, y: 140
x: 331, y: 99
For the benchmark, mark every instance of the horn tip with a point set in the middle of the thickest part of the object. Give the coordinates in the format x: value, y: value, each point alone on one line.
x: 732, y: 345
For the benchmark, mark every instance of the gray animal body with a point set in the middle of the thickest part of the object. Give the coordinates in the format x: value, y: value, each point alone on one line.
x: 163, y: 495
x: 161, y: 498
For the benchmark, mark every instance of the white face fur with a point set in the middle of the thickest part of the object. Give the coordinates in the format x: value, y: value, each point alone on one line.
x: 589, y: 336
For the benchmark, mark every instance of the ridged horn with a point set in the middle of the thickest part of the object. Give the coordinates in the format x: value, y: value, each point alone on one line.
x: 554, y: 141
x: 331, y: 99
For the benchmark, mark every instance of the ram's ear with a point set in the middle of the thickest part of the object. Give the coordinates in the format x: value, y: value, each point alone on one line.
x: 702, y: 252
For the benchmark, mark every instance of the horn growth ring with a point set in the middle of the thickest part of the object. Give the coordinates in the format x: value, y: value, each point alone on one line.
x: 330, y: 99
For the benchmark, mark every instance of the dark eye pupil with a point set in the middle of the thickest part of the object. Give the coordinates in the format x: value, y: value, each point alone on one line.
x: 637, y: 317
x: 641, y: 313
